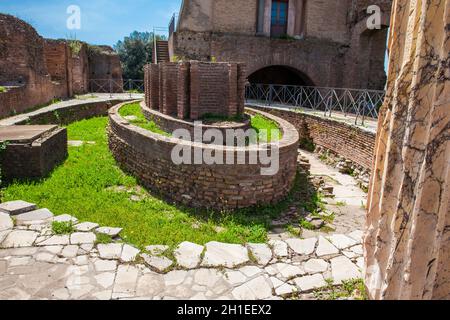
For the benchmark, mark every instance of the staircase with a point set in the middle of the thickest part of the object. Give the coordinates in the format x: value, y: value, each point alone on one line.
x: 161, y: 52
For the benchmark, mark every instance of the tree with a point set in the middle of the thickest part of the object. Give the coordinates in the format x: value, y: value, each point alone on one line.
x: 135, y: 51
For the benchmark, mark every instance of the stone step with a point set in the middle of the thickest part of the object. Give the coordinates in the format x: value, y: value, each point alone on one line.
x: 14, y: 208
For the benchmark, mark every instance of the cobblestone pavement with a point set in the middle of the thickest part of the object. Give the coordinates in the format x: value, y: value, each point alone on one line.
x: 347, y: 204
x: 36, y: 264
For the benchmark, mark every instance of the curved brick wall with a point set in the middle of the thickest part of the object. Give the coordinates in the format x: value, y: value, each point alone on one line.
x: 352, y: 143
x: 147, y: 156
x: 170, y: 124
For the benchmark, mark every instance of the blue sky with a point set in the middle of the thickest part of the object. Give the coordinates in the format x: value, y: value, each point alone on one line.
x: 102, y: 21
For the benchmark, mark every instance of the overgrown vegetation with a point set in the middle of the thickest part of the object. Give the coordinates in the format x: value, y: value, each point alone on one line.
x: 134, y: 109
x: 2, y: 89
x: 307, y: 144
x: 103, y: 238
x: 75, y: 46
x: 354, y: 289
x: 60, y: 228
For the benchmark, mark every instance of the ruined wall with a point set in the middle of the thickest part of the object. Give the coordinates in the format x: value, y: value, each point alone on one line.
x: 407, y: 242
x: 332, y: 46
x: 350, y: 142
x: 34, y: 71
x: 80, y: 67
x: 327, y: 20
x: 23, y: 67
x: 193, y: 89
x: 104, y: 66
x: 59, y: 65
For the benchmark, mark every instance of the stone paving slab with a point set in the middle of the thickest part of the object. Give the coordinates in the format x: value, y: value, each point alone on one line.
x: 224, y: 255
x: 39, y: 216
x: 17, y: 207
x: 36, y: 264
x: 6, y: 223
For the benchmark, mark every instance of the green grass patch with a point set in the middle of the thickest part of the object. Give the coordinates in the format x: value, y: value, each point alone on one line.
x: 60, y: 228
x: 103, y: 238
x: 134, y: 109
x: 268, y: 130
x: 305, y: 224
x: 2, y: 89
x: 296, y: 232
x: 83, y: 187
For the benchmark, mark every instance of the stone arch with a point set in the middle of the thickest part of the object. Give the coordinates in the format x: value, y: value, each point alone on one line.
x: 280, y: 74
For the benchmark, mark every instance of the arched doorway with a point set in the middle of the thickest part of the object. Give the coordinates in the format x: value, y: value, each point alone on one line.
x: 280, y: 75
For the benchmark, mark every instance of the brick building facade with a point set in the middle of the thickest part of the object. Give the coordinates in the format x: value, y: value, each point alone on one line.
x: 306, y: 42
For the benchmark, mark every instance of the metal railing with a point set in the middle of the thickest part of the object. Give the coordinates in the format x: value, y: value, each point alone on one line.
x: 113, y: 86
x: 358, y: 102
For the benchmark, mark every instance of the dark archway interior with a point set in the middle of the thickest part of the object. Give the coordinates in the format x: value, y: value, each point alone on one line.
x: 280, y: 75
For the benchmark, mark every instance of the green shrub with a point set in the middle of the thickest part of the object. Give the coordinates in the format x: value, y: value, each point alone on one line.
x: 307, y: 144
x: 61, y: 228
x: 2, y: 89
x: 103, y: 238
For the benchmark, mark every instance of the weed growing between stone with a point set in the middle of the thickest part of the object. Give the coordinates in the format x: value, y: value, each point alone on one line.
x: 61, y: 228
x: 349, y: 290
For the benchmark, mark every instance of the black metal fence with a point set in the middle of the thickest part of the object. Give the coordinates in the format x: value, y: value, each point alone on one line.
x: 359, y: 102
x: 112, y: 86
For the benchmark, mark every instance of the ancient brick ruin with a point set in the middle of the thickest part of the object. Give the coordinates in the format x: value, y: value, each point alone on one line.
x: 35, y: 70
x: 190, y: 90
x: 301, y: 42
x: 33, y: 151
x: 148, y: 157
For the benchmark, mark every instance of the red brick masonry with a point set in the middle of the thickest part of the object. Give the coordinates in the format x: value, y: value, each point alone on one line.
x: 147, y: 156
x: 193, y: 89
x: 351, y: 142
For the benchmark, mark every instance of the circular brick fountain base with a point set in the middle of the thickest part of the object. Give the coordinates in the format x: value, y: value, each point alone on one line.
x: 148, y: 156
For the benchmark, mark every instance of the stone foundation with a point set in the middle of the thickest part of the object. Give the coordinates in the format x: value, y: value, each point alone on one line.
x: 147, y: 156
x: 32, y: 151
